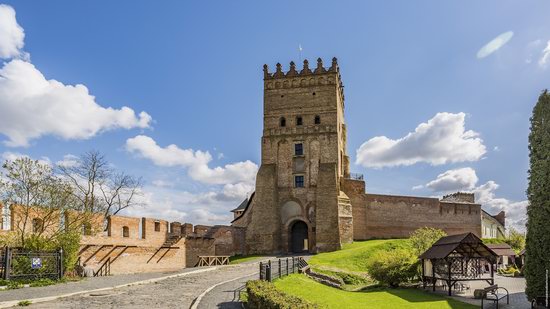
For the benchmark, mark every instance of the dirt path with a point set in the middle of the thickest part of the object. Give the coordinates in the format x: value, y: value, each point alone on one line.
x: 170, y: 293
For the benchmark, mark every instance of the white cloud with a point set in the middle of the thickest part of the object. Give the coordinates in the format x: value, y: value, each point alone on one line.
x: 69, y: 160
x: 182, y: 206
x: 545, y: 58
x: 162, y: 183
x: 465, y: 179
x: 495, y: 44
x: 11, y: 34
x: 195, y: 161
x: 443, y: 139
x: 454, y: 180
x: 33, y: 106
x: 516, y: 212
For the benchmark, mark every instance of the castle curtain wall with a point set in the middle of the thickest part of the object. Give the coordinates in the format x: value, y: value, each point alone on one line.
x: 387, y: 216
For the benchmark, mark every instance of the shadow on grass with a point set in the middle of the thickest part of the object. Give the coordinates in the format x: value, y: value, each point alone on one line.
x: 413, y: 295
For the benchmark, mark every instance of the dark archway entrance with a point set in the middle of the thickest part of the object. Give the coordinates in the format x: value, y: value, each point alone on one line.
x: 298, y: 237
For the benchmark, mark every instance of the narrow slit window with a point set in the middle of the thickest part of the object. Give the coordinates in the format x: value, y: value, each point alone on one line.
x: 157, y: 226
x: 317, y: 120
x: 299, y: 121
x: 282, y: 122
x: 125, y: 231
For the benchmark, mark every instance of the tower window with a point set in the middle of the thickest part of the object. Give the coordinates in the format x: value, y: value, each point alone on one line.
x: 299, y: 181
x: 282, y: 122
x: 157, y: 226
x: 299, y: 149
x: 125, y: 231
x: 317, y: 119
x: 299, y: 121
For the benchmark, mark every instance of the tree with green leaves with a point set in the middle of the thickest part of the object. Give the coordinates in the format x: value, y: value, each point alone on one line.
x: 537, y: 247
x: 423, y: 238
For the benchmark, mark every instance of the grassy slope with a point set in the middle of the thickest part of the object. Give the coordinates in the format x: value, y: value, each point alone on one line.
x: 237, y: 259
x: 328, y: 297
x: 353, y: 257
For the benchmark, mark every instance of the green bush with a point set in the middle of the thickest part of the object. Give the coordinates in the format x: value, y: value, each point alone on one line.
x: 264, y: 295
x: 393, y: 267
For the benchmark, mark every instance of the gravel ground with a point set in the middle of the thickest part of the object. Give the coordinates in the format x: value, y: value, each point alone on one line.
x: 170, y: 293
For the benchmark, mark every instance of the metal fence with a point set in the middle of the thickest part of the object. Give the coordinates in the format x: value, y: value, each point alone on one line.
x: 274, y: 269
x: 2, y: 262
x: 18, y: 263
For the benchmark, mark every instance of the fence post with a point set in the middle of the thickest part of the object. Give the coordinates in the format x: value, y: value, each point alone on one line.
x: 7, y: 264
x: 293, y: 265
x: 60, y: 264
x: 280, y: 268
x: 261, y: 271
x: 268, y: 271
x: 287, y: 266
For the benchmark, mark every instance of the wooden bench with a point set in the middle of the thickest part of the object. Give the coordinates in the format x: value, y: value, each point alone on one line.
x: 491, y: 293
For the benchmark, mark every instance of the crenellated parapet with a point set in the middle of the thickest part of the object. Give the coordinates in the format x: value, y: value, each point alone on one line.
x: 292, y: 72
x: 306, y: 77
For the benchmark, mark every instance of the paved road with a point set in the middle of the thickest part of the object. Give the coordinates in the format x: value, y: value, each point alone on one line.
x: 226, y: 295
x: 170, y: 293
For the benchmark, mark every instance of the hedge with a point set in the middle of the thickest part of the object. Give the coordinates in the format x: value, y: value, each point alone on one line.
x: 264, y: 295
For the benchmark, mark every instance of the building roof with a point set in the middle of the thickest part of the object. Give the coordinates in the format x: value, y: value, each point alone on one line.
x: 242, y: 206
x: 502, y: 249
x: 466, y: 244
x: 245, y: 208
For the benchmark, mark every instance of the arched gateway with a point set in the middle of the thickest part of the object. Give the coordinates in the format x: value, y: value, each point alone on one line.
x: 298, y: 237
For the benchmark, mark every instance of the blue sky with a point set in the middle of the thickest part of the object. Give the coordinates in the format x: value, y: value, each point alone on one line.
x: 194, y: 68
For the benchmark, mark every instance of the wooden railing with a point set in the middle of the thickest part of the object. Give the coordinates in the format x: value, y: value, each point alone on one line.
x: 212, y: 261
x: 105, y: 269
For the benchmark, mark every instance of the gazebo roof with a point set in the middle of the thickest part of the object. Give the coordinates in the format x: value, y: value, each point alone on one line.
x: 468, y: 245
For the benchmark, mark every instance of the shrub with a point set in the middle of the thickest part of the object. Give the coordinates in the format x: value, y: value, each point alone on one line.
x: 393, y: 267
x: 264, y: 295
x: 423, y: 238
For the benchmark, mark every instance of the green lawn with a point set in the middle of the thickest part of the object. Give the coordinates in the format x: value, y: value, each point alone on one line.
x: 237, y: 259
x: 327, y: 297
x: 353, y: 257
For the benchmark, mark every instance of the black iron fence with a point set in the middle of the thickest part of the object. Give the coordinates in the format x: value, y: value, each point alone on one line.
x: 2, y: 262
x: 17, y: 263
x: 274, y: 269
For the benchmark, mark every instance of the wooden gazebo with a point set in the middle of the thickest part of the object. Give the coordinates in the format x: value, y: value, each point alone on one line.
x: 457, y: 258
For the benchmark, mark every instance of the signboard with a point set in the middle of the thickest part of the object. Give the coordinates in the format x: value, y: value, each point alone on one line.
x: 36, y: 263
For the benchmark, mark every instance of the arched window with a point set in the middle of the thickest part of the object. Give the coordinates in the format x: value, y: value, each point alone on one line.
x: 299, y: 121
x: 317, y: 119
x: 125, y: 231
x: 282, y: 122
x: 37, y: 225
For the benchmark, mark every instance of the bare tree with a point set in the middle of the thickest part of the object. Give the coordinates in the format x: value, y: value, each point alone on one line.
x: 98, y: 187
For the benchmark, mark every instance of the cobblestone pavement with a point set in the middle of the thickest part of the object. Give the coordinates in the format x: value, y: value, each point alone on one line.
x: 515, y: 286
x: 170, y: 293
x: 85, y: 284
x: 226, y: 296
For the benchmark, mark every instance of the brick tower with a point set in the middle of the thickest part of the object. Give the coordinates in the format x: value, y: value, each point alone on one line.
x: 298, y: 204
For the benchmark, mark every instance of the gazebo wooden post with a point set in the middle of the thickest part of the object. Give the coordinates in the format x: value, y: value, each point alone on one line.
x: 492, y: 273
x: 449, y: 282
x: 433, y: 274
x: 423, y: 274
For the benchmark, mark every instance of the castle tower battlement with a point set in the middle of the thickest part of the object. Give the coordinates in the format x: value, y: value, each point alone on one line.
x: 305, y: 77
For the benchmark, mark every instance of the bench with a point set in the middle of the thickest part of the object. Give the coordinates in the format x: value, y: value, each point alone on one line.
x: 540, y: 302
x: 491, y: 293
